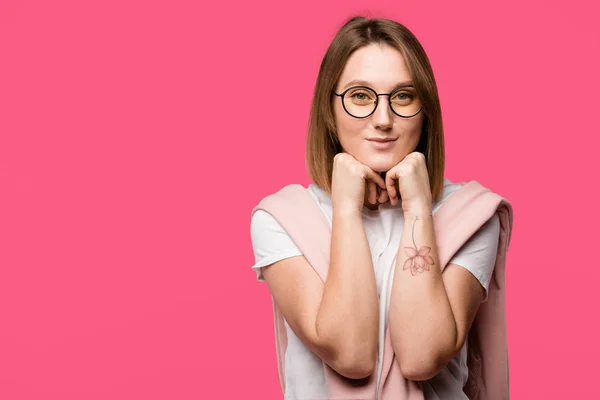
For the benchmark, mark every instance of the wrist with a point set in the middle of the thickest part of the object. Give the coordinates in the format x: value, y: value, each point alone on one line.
x: 418, y: 211
x: 345, y: 212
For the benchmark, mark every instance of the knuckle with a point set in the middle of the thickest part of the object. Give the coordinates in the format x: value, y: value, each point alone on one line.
x: 356, y: 170
x: 340, y: 156
x: 364, y: 170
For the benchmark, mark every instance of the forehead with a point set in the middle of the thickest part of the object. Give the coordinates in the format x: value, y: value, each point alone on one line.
x: 381, y: 65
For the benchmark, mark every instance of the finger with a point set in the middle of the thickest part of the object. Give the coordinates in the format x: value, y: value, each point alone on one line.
x: 391, y: 187
x: 372, y: 195
x: 375, y: 177
x: 383, y: 196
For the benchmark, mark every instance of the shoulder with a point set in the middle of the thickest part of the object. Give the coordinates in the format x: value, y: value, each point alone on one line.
x: 283, y: 192
x: 449, y: 189
x: 288, y: 194
x: 470, y: 204
x: 471, y: 188
x: 260, y: 216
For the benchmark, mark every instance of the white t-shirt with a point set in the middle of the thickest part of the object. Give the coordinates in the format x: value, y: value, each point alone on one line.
x: 304, y: 376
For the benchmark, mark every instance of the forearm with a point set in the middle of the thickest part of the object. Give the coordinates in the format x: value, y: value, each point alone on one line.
x: 349, y: 313
x: 422, y: 325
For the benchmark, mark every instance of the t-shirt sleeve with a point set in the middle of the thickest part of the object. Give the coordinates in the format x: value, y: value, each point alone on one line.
x: 270, y: 242
x: 478, y: 254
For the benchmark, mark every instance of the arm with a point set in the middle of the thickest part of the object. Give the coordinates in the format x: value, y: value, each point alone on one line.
x: 337, y: 320
x: 430, y: 312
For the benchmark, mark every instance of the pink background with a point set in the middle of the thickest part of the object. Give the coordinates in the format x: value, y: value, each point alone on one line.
x: 136, y: 136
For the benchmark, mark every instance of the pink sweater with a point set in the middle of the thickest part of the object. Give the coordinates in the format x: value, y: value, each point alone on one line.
x: 456, y: 221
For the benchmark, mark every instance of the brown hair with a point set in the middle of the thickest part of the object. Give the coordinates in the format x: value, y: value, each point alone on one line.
x: 322, y: 144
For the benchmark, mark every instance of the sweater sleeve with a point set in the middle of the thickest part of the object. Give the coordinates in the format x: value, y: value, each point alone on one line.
x: 270, y: 242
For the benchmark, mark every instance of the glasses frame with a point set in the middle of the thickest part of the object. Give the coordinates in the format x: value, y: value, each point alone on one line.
x: 376, y: 101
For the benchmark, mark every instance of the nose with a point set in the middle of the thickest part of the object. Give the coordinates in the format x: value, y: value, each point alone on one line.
x: 382, y: 116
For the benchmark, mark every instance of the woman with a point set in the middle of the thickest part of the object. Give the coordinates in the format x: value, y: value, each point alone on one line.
x: 375, y: 153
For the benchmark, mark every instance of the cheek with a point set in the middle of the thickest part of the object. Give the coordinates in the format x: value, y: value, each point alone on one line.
x: 349, y: 131
x: 348, y: 128
x: 415, y: 127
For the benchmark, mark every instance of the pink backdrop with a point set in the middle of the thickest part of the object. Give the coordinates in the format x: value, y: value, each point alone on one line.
x: 136, y: 136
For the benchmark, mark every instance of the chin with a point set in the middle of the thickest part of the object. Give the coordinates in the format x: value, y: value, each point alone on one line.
x: 382, y: 163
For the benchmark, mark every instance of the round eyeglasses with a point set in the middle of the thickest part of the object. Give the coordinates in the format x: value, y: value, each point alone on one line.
x: 361, y: 101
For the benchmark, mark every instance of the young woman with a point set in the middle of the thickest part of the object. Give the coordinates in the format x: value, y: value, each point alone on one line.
x: 375, y: 153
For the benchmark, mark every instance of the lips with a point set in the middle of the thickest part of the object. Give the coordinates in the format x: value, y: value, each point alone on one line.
x: 381, y: 144
x: 381, y: 140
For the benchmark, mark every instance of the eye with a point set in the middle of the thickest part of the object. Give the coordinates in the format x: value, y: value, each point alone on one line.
x: 360, y: 96
x: 403, y: 97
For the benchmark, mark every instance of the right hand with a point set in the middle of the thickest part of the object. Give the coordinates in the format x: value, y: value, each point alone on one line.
x: 349, y: 181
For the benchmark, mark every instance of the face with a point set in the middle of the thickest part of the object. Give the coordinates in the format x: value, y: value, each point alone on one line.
x: 383, y: 69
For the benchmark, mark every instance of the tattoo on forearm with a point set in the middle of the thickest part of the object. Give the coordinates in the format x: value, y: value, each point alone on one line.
x: 418, y: 261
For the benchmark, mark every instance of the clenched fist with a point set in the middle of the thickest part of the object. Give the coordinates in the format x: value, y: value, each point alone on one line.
x: 350, y: 179
x: 413, y: 183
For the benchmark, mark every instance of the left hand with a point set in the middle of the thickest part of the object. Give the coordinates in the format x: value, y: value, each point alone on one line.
x: 413, y: 182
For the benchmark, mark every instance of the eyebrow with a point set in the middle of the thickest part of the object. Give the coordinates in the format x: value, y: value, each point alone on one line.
x: 365, y: 83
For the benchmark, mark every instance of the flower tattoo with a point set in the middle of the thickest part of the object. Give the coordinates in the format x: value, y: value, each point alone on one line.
x: 418, y: 261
